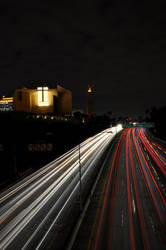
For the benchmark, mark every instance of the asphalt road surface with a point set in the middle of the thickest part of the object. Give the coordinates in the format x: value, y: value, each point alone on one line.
x: 39, y: 211
x: 128, y: 208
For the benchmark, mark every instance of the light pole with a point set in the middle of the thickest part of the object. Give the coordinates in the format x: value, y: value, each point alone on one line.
x: 80, y: 190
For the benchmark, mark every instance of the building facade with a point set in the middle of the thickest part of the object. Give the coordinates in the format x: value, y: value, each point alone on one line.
x: 6, y: 104
x: 43, y: 100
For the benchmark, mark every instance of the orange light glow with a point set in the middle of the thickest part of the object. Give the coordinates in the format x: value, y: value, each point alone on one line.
x: 6, y: 99
x: 89, y: 89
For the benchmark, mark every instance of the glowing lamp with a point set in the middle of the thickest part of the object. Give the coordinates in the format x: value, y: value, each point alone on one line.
x: 89, y: 90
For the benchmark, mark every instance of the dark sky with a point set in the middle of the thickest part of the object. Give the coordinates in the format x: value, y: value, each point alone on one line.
x: 117, y: 45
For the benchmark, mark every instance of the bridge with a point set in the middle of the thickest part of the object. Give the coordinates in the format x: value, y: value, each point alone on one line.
x: 106, y: 193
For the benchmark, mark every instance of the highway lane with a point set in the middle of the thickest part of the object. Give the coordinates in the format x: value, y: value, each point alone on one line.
x: 57, y: 167
x: 66, y: 158
x: 131, y: 209
x: 31, y: 210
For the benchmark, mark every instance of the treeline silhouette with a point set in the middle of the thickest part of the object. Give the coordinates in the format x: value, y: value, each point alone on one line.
x: 157, y: 115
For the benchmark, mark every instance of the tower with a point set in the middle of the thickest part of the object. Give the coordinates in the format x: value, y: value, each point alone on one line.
x: 90, y: 101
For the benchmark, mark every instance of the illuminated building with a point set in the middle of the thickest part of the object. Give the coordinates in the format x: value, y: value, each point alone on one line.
x: 6, y: 104
x: 43, y: 100
x: 90, y: 101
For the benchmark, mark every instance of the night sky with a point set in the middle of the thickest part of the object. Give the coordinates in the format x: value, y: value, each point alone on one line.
x: 118, y: 46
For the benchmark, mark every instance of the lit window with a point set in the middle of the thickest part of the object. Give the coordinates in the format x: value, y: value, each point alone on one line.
x: 43, y: 96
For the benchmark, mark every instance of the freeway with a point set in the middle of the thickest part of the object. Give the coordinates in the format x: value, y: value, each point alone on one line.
x: 37, y: 209
x: 128, y: 208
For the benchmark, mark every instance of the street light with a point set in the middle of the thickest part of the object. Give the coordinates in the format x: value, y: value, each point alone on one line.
x: 80, y: 190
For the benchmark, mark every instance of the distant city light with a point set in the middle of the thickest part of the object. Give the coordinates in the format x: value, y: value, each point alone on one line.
x: 6, y: 103
x: 89, y: 89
